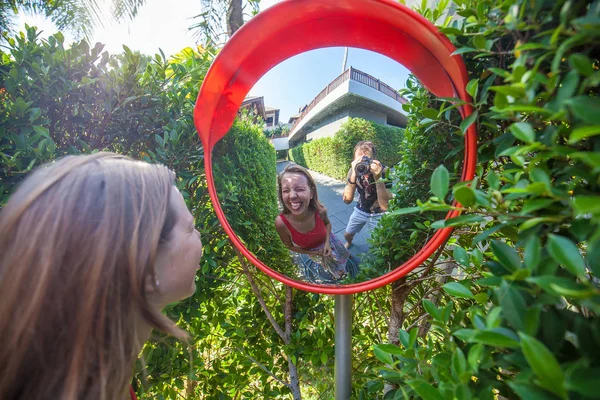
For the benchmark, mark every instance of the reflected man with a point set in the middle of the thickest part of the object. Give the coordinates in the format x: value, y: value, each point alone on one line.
x: 364, y: 174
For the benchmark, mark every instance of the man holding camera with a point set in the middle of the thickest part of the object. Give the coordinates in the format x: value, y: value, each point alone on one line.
x: 364, y: 174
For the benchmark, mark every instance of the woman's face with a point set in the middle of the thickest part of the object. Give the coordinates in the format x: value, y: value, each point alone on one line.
x: 178, y: 259
x: 296, y: 193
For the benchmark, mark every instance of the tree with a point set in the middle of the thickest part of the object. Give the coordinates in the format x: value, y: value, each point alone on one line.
x: 78, y: 16
x: 220, y: 19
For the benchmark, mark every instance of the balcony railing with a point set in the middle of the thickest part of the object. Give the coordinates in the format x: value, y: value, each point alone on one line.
x: 355, y: 75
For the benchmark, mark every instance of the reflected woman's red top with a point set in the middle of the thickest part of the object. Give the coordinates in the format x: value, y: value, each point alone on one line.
x: 132, y: 393
x: 308, y: 240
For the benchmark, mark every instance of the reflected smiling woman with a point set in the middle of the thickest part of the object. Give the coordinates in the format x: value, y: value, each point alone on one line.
x: 92, y: 248
x: 304, y: 228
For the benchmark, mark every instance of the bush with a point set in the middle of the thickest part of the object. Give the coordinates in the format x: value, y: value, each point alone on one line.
x: 332, y: 155
x: 57, y: 101
x: 245, y: 171
x: 519, y: 317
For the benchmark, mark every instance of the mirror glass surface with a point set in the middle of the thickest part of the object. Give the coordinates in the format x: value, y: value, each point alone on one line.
x: 312, y: 110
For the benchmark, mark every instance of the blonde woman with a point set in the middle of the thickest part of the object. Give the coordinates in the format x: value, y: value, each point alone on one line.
x: 92, y: 248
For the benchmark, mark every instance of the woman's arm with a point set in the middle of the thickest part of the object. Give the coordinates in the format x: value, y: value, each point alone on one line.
x: 286, y: 238
x: 325, y: 219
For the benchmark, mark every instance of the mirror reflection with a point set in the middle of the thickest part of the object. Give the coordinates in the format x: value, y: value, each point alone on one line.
x: 308, y: 171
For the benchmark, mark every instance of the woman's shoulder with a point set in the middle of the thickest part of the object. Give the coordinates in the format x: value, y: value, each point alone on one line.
x: 280, y: 222
x: 322, y: 211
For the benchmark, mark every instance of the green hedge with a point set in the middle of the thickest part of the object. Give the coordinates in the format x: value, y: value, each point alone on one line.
x: 249, y: 177
x: 332, y: 155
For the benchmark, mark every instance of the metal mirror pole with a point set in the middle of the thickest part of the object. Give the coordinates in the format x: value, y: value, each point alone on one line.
x: 343, y: 346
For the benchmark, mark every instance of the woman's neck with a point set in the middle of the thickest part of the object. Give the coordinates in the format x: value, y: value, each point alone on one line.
x: 302, y: 218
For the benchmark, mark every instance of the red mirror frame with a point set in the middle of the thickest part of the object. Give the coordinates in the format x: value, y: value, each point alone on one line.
x: 296, y: 26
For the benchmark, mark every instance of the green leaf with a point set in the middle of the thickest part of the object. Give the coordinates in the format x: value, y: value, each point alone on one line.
x: 465, y: 196
x: 412, y: 337
x: 493, y: 319
x: 560, y: 286
x: 324, y: 358
x: 536, y: 204
x: 472, y: 87
x: 513, y: 305
x: 566, y: 253
x: 424, y: 390
x: 430, y: 113
x: 584, y: 132
x: 497, y: 337
x: 523, y: 131
x: 458, y: 290
x: 461, y: 256
x: 439, y: 182
x: 467, y: 122
x: 568, y: 86
x: 463, y: 50
x: 466, y: 335
x: 460, y: 220
x: 408, y: 210
x: 507, y: 255
x: 477, y: 257
x: 479, y: 42
x: 585, y: 382
x: 533, y: 252
x: 382, y: 355
x: 544, y: 365
x: 587, y: 204
x: 500, y: 72
x: 459, y: 365
x: 404, y: 338
x: 532, y: 320
x: 34, y: 114
x: 524, y: 108
x: 493, y: 180
x: 509, y: 90
x: 530, y: 392
x: 582, y: 64
x: 530, y: 223
x: 42, y: 130
x: 585, y: 108
x: 431, y: 309
x: 474, y: 357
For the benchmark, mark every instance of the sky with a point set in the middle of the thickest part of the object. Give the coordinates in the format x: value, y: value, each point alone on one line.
x: 288, y: 86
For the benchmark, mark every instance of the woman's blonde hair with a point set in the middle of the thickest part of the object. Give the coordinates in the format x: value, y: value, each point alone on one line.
x: 78, y: 241
x: 314, y: 204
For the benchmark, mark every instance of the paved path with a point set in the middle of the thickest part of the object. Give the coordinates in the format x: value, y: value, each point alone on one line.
x: 330, y: 195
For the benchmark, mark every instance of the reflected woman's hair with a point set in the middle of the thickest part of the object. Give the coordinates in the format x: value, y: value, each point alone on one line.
x: 78, y: 244
x: 314, y: 204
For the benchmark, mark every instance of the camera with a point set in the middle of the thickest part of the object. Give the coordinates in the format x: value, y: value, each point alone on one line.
x: 363, y: 167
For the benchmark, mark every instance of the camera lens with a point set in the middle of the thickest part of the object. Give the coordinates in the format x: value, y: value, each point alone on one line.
x: 361, y: 169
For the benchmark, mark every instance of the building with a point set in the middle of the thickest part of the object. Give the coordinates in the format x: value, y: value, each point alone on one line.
x: 271, y: 117
x: 353, y: 94
x: 256, y: 105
